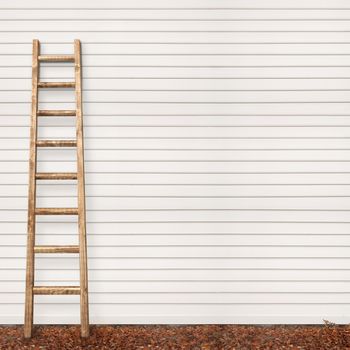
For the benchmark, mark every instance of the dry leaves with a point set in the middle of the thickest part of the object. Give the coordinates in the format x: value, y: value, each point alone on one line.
x: 194, y: 337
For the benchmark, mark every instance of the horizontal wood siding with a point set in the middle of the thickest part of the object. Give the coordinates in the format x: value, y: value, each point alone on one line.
x: 217, y: 149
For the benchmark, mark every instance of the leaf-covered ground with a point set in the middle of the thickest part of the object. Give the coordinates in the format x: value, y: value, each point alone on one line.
x: 194, y: 337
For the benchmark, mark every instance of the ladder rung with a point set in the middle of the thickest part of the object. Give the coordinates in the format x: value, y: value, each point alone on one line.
x: 47, y: 85
x: 56, y: 249
x: 56, y: 143
x: 56, y: 290
x: 56, y: 176
x: 56, y: 211
x: 56, y: 113
x: 56, y: 58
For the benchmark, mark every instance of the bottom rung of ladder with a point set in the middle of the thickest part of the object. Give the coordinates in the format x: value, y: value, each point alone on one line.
x: 56, y: 290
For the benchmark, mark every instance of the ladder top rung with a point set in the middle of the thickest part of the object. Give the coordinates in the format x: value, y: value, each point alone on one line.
x: 56, y: 211
x: 58, y: 84
x: 56, y: 143
x: 56, y: 249
x: 56, y: 58
x: 56, y: 176
x: 56, y: 290
x: 56, y: 113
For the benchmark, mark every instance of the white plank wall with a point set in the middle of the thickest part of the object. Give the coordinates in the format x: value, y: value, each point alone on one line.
x: 217, y: 138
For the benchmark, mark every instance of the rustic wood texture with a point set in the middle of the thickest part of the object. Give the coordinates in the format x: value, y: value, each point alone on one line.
x: 56, y: 58
x: 28, y: 317
x: 56, y: 290
x: 56, y: 176
x: 56, y: 143
x: 50, y: 85
x: 56, y: 113
x: 56, y: 249
x: 56, y: 211
x: 82, y: 290
x: 84, y: 304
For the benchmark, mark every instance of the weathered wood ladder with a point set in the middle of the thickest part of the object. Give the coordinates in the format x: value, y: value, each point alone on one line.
x: 33, y: 211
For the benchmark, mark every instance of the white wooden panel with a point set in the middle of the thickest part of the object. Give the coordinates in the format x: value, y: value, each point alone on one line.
x: 177, y: 71
x: 192, y: 298
x: 180, y: 275
x: 110, y: 203
x: 102, y: 263
x: 197, y: 108
x: 191, y: 227
x: 98, y: 239
x: 309, y: 27
x: 165, y: 4
x: 182, y: 97
x: 178, y: 132
x: 56, y: 189
x: 206, y: 83
x: 193, y: 26
x: 178, y: 14
x: 16, y: 288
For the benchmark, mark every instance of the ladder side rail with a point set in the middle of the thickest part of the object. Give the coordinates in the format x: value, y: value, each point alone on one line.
x: 28, y: 318
x: 84, y: 304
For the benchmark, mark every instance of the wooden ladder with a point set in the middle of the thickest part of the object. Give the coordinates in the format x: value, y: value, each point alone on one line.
x: 33, y: 211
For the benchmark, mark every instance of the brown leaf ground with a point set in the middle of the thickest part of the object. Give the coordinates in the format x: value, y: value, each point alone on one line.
x: 194, y: 337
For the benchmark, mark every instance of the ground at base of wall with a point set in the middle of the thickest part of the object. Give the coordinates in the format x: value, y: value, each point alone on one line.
x: 170, y: 337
